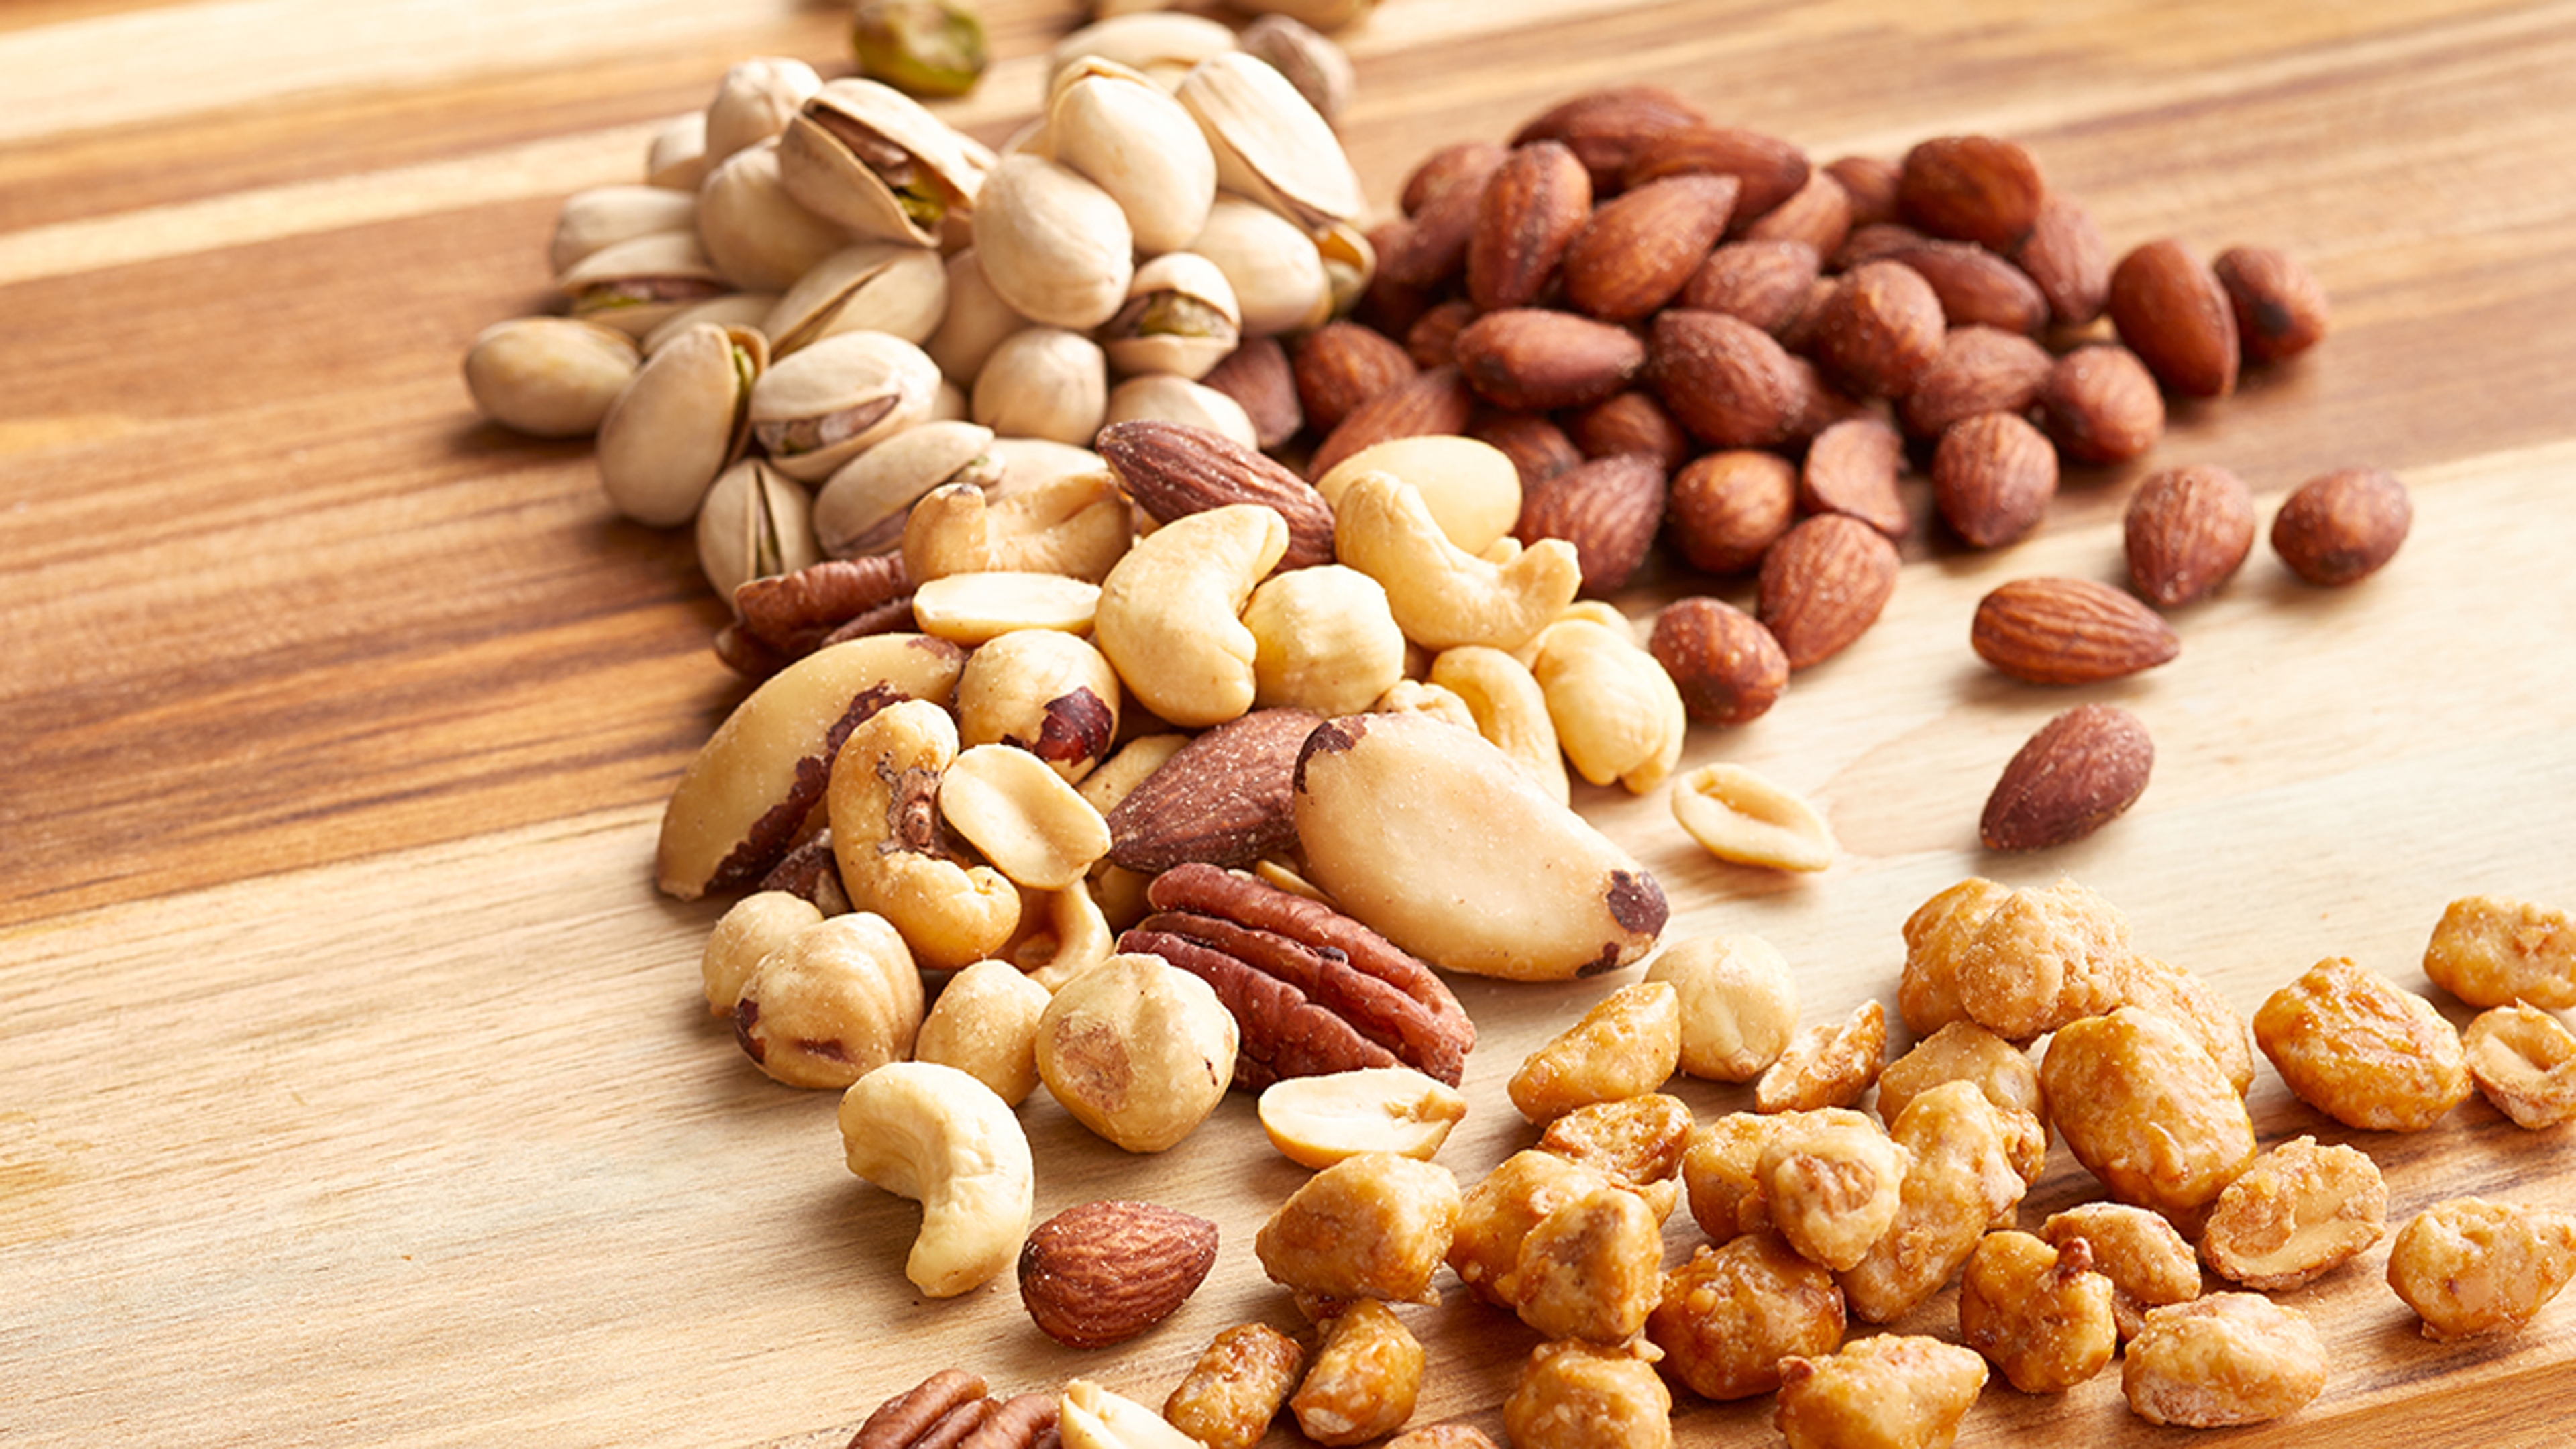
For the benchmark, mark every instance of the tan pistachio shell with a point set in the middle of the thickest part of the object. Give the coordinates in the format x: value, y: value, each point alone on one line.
x: 1280, y: 284
x: 733, y: 309
x: 754, y: 100
x: 754, y: 524
x: 1029, y: 463
x: 1053, y: 245
x: 757, y: 235
x: 1161, y: 45
x: 1169, y: 397
x: 634, y: 285
x: 833, y: 400
x: 1180, y: 317
x: 679, y: 423
x: 601, y: 216
x: 1044, y: 382
x: 975, y: 323
x: 907, y: 147
x: 1270, y: 143
x: 548, y: 377
x: 677, y: 155
x: 862, y: 507
x: 1128, y: 136
x: 871, y: 286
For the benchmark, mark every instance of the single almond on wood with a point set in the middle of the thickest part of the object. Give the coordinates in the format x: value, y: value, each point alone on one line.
x: 2280, y: 306
x: 1536, y: 359
x: 2170, y: 309
x: 1175, y: 469
x: 1993, y: 476
x: 1823, y: 584
x: 1726, y: 664
x: 2076, y: 775
x: 2187, y: 531
x: 2343, y: 526
x: 2068, y: 631
x: 1104, y: 1272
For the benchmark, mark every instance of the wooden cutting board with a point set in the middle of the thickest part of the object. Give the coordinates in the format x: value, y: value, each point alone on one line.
x: 356, y: 1088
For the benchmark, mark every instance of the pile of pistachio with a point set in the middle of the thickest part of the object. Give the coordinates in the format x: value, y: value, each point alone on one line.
x: 812, y: 267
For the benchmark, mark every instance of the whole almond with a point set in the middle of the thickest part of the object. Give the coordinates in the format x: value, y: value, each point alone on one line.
x: 2342, y: 527
x: 1467, y: 163
x: 1608, y: 508
x: 1770, y: 168
x: 1879, y: 329
x: 2170, y: 309
x: 1639, y: 247
x: 1526, y: 216
x: 1818, y: 213
x: 1104, y: 1272
x: 1980, y: 370
x: 1852, y: 468
x: 1341, y: 365
x: 2101, y: 405
x: 1223, y: 798
x: 1873, y: 184
x: 1725, y: 509
x: 1977, y: 288
x: 1436, y: 401
x: 1726, y: 664
x: 1258, y: 375
x: 1431, y: 250
x: 1993, y: 476
x: 2187, y: 531
x: 2068, y: 631
x: 1875, y: 242
x: 1762, y: 282
x: 1823, y: 584
x: 1729, y: 382
x: 1983, y: 189
x: 2065, y: 256
x: 1174, y: 469
x: 1538, y: 448
x: 1630, y: 422
x: 1606, y: 128
x: 2280, y: 306
x: 1432, y: 340
x: 1535, y: 359
x: 2080, y: 772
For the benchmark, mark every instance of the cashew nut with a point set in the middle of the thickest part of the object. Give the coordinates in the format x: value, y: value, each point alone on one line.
x: 1510, y: 710
x: 1170, y: 612
x: 885, y: 836
x: 1076, y: 524
x: 1442, y: 595
x: 945, y: 1140
x: 1470, y: 486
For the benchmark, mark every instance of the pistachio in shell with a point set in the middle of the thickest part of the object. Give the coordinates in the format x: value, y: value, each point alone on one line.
x: 756, y: 523
x: 600, y: 216
x: 1277, y: 273
x: 679, y: 423
x: 753, y: 102
x: 634, y: 284
x: 975, y: 323
x: 1180, y: 317
x: 833, y: 400
x: 1161, y: 45
x: 1170, y: 398
x: 1270, y: 144
x: 1054, y: 245
x: 548, y: 377
x: 1044, y: 382
x: 676, y: 158
x: 861, y: 508
x: 870, y: 158
x: 870, y: 286
x: 1127, y: 135
x: 928, y: 48
x: 732, y: 309
x: 759, y: 237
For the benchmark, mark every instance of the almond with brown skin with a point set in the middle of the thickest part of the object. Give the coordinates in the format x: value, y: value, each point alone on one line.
x: 1606, y: 128
x: 2065, y: 256
x: 1873, y: 184
x: 1726, y: 664
x: 1432, y: 340
x: 2342, y: 527
x: 1983, y: 189
x: 1538, y: 448
x: 1172, y: 469
x: 1977, y: 288
x: 1818, y: 213
x: 1436, y: 401
x: 1629, y: 422
x: 1258, y: 375
x: 1104, y: 1272
x: 1771, y: 169
x: 1223, y: 798
x: 1608, y: 508
x: 2080, y: 772
x: 1459, y: 163
x: 1823, y: 584
x: 1875, y: 242
x: 1431, y: 251
x: 2172, y: 312
x: 1980, y: 370
x: 2068, y: 631
x: 1535, y: 359
x: 1878, y: 330
x: 1729, y: 382
x: 1763, y: 282
x: 1639, y: 247
x: 1852, y: 468
x: 1526, y: 216
x: 1993, y: 476
x: 2187, y: 531
x: 2280, y: 306
x: 2101, y: 405
x: 1341, y: 365
x: 1725, y: 509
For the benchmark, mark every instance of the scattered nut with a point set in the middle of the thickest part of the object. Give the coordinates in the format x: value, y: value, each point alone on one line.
x: 1833, y: 1185
x: 2363, y: 1050
x: 1316, y: 1121
x: 1229, y: 1397
x: 1137, y: 1050
x: 1961, y: 1178
x: 1592, y: 1269
x: 1733, y: 1312
x: 1370, y: 1226
x: 2079, y: 772
x: 1628, y: 1044
x: 2068, y: 631
x: 2297, y: 1213
x: 1738, y: 815
x: 1900, y: 1391
x: 1739, y: 1003
x: 2492, y: 951
x: 1575, y: 1395
x: 938, y: 1136
x: 1363, y: 1380
x: 985, y: 1024
x: 1104, y: 1272
x: 2475, y: 1269
x: 2037, y: 1311
x: 2524, y: 1062
x: 750, y: 929
x: 2146, y: 1111
x: 2187, y: 531
x: 2339, y: 528
x: 2227, y: 1358
x: 2142, y: 1253
x: 1826, y: 1065
x: 837, y: 1000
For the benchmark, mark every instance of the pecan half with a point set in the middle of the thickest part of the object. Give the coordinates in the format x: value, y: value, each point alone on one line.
x: 793, y: 613
x: 950, y: 1410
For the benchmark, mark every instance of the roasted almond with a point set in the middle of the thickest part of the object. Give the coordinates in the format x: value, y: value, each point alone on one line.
x: 1535, y: 359
x: 2101, y: 405
x: 1341, y: 365
x: 1770, y: 168
x: 1873, y: 184
x: 1727, y: 665
x: 1608, y: 508
x: 1983, y: 189
x: 2080, y: 772
x: 1762, y: 282
x: 1639, y: 247
x: 2280, y: 307
x: 1258, y: 375
x: 1630, y: 422
x: 1818, y: 213
x: 2068, y: 631
x: 2187, y: 531
x: 1466, y: 163
x: 1223, y: 798
x: 1104, y: 1272
x: 1980, y: 370
x: 1436, y: 401
x: 1993, y: 476
x: 2170, y: 309
x: 1878, y: 330
x: 1432, y: 340
x: 2342, y: 527
x: 2065, y: 256
x: 1175, y: 469
x: 1729, y: 382
x: 1725, y: 509
x: 1526, y: 216
x: 1852, y: 468
x: 1823, y: 584
x: 1431, y: 250
x: 1977, y: 288
x: 1538, y: 448
x: 1606, y: 128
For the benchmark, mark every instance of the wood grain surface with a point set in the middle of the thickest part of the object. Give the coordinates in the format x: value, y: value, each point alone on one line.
x: 354, y: 1084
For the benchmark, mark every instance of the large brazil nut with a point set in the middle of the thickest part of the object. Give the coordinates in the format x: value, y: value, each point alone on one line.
x: 747, y: 794
x: 1435, y: 839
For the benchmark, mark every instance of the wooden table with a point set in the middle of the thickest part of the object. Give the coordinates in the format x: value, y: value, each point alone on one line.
x: 354, y: 1087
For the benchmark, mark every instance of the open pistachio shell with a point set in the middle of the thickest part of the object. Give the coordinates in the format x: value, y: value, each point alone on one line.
x: 548, y: 377
x: 1131, y: 139
x: 634, y: 284
x: 1054, y: 246
x: 1350, y: 263
x: 1277, y: 273
x: 1180, y: 317
x: 861, y: 508
x: 757, y: 235
x: 754, y: 524
x: 876, y: 161
x: 824, y: 405
x: 754, y: 100
x: 604, y: 215
x: 679, y: 423
x: 1160, y: 44
x: 1270, y: 144
x: 872, y: 286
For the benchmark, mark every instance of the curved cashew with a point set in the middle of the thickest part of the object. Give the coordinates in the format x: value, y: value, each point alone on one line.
x: 1170, y: 612
x: 947, y: 1141
x: 1077, y: 525
x: 1510, y: 710
x: 1442, y: 595
x: 883, y: 803
x: 1469, y: 485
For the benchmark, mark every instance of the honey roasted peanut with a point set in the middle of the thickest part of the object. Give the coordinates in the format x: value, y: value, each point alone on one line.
x: 1370, y: 1226
x: 1628, y: 1044
x: 1364, y: 1379
x: 1733, y: 1312
x: 2363, y: 1050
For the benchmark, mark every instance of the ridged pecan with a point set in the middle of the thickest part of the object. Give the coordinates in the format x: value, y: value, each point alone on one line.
x: 950, y: 1410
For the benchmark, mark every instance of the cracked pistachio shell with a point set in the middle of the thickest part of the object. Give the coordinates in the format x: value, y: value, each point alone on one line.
x: 1350, y: 264
x: 754, y: 100
x: 757, y: 235
x: 677, y: 155
x: 1180, y: 317
x: 975, y: 323
x: 755, y: 524
x: 861, y: 509
x: 1270, y: 144
x: 832, y: 401
x: 1054, y: 246
x: 636, y: 284
x: 679, y: 423
x: 1044, y: 382
x: 1130, y: 138
x: 603, y: 215
x: 1277, y: 273
x: 733, y: 309
x: 1171, y: 398
x: 1320, y: 69
x: 1161, y: 45
x: 872, y: 286
x: 876, y: 161
x: 549, y: 377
